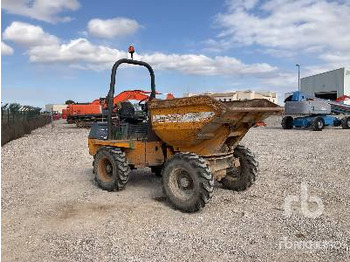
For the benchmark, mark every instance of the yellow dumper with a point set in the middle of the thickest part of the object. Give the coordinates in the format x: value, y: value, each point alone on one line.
x: 189, y: 142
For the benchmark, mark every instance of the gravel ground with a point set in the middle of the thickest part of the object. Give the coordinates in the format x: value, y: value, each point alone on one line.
x: 53, y: 211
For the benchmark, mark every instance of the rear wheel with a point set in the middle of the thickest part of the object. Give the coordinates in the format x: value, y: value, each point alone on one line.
x: 243, y: 174
x: 111, y: 169
x: 345, y: 123
x: 317, y: 124
x: 287, y: 122
x: 187, y: 182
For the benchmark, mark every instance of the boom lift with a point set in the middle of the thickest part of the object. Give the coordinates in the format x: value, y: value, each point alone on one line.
x: 315, y: 113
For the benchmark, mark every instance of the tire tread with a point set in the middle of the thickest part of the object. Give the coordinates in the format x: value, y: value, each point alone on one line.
x: 250, y: 171
x: 206, y: 181
x: 123, y: 169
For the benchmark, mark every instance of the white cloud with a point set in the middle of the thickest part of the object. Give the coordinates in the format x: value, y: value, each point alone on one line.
x: 6, y: 49
x: 28, y: 35
x: 44, y: 10
x: 204, y: 65
x: 289, y: 24
x: 283, y: 26
x: 81, y: 53
x: 246, y: 4
x: 282, y: 80
x: 337, y: 59
x: 111, y: 28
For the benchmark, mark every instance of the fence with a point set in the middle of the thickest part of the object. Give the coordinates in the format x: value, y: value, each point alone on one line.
x: 17, y: 120
x: 9, y: 117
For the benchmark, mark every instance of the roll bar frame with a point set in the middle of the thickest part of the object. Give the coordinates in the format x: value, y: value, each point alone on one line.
x: 111, y: 92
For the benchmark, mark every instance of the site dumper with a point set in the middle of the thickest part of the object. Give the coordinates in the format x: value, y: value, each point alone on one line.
x: 189, y: 142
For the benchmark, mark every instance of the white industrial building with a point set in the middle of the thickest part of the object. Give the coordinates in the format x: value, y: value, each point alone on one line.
x: 327, y: 85
x: 55, y: 108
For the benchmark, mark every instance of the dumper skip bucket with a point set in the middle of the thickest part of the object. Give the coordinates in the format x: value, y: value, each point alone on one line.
x: 202, y: 124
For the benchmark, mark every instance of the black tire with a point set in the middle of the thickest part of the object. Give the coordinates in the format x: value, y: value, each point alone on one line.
x: 345, y: 123
x: 80, y: 124
x: 187, y: 182
x: 287, y: 122
x: 317, y: 124
x: 242, y: 177
x: 111, y: 169
x: 157, y: 170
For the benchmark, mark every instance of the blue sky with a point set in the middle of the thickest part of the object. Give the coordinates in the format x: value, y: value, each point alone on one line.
x: 58, y: 50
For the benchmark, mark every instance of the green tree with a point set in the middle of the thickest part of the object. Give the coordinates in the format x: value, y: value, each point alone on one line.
x: 14, y: 107
x: 69, y: 101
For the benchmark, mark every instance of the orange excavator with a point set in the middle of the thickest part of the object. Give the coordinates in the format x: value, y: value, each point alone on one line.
x: 84, y: 114
x: 343, y: 99
x: 64, y: 113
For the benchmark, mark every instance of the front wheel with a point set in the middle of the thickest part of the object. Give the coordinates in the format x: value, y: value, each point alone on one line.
x: 187, y: 182
x: 243, y: 174
x: 287, y: 122
x: 111, y: 169
x: 345, y: 123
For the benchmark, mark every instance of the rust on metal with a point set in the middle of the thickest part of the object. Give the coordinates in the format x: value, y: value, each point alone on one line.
x: 103, y: 166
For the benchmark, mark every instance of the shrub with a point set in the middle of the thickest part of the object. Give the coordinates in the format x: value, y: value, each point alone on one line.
x: 17, y: 129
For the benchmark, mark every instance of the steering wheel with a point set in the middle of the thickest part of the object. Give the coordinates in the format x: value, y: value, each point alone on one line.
x: 143, y: 107
x: 143, y: 100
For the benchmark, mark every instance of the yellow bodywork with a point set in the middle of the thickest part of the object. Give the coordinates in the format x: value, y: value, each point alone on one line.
x: 198, y: 124
x: 139, y: 153
x: 201, y: 124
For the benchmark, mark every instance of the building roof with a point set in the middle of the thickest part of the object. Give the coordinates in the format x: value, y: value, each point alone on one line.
x: 342, y: 68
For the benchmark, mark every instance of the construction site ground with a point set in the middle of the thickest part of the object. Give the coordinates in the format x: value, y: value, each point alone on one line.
x: 52, y: 210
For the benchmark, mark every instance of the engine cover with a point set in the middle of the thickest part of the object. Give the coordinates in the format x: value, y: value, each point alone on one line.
x: 310, y: 107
